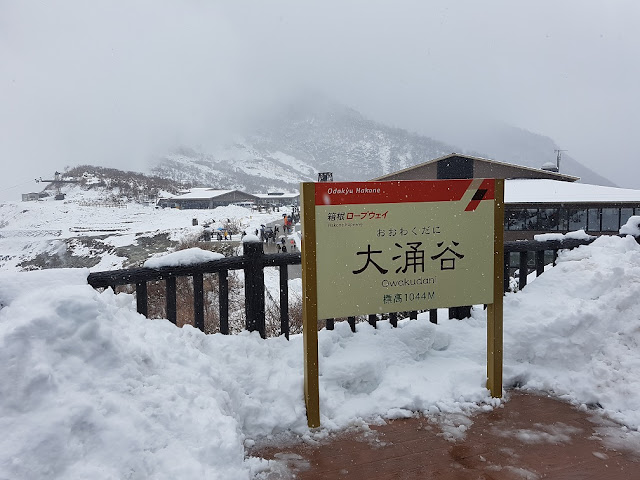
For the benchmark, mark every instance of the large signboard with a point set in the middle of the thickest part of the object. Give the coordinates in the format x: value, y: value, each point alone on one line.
x: 379, y: 247
x: 399, y: 246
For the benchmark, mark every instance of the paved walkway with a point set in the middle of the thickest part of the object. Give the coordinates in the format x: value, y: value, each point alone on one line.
x: 530, y: 437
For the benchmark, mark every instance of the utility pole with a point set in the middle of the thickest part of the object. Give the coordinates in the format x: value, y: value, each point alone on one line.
x: 558, y: 158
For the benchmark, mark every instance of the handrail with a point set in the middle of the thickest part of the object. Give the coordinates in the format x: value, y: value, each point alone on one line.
x: 253, y: 262
x: 128, y: 276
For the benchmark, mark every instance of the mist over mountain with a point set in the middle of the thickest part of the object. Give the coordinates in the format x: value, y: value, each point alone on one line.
x: 506, y: 143
x: 314, y: 134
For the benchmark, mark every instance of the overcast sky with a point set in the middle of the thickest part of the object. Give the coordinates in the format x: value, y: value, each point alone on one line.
x: 115, y: 82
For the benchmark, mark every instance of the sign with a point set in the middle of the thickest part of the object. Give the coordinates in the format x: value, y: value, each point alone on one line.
x: 398, y: 246
x: 379, y: 247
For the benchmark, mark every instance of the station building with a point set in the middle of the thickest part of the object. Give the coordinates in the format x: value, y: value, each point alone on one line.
x: 536, y: 200
x: 201, y: 198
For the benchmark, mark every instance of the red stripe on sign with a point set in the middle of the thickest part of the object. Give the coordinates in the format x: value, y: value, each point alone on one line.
x: 406, y: 191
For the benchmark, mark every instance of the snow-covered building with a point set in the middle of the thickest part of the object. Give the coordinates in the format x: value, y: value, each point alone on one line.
x: 30, y: 197
x: 537, y: 200
x: 279, y: 199
x: 199, y: 198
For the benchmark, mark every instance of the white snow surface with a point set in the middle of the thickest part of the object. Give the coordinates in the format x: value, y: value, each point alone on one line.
x: 632, y: 227
x: 91, y: 389
x: 577, y: 235
x: 31, y: 228
x: 188, y: 256
x: 537, y: 190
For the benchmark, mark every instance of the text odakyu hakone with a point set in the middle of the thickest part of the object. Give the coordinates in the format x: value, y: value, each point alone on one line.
x: 350, y: 191
x: 411, y: 257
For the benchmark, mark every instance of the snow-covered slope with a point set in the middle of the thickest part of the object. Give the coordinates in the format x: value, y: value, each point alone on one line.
x: 314, y: 134
x: 86, y: 231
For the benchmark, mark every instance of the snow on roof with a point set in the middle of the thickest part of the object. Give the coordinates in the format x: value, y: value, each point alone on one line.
x: 554, y: 191
x: 267, y: 196
x: 203, y: 193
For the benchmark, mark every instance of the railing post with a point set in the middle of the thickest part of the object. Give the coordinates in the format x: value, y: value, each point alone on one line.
x: 433, y: 315
x: 254, y: 287
x: 170, y: 292
x: 352, y: 323
x: 198, y: 301
x: 524, y: 269
x: 506, y: 272
x: 373, y: 319
x: 539, y: 255
x: 284, y: 301
x: 393, y: 319
x: 223, y: 301
x: 141, y: 298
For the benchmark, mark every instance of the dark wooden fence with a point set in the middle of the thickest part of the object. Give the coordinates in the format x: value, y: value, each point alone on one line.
x: 531, y: 256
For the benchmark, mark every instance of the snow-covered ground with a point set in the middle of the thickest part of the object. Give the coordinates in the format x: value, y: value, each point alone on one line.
x: 91, y: 389
x: 28, y: 229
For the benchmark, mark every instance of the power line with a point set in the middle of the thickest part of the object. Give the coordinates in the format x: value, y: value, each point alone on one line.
x: 15, y: 186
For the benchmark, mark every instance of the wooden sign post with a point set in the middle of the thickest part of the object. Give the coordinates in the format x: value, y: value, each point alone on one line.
x: 377, y: 247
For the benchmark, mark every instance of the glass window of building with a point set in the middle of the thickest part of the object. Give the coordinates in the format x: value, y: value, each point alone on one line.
x: 530, y: 219
x: 610, y: 219
x: 577, y: 219
x: 548, y: 219
x: 625, y: 214
x: 563, y: 219
x: 594, y: 220
x: 513, y: 219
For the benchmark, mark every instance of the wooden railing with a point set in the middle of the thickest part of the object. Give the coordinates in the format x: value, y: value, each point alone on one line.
x: 253, y: 262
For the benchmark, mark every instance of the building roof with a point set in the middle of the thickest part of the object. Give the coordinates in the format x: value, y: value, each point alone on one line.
x: 546, y: 173
x: 268, y: 196
x: 201, y: 193
x: 535, y: 190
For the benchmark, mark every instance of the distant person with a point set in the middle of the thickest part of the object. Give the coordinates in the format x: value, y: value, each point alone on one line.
x: 284, y: 249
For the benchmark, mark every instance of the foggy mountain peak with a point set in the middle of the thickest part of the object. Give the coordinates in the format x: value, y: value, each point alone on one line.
x: 314, y: 133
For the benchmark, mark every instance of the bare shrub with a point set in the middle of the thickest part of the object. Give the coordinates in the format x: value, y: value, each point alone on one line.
x: 156, y: 301
x: 273, y: 327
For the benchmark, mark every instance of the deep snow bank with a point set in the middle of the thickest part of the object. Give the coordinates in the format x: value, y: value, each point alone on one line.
x: 575, y: 331
x: 90, y: 389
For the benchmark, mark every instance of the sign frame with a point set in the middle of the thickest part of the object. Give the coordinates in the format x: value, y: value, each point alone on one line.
x: 310, y: 259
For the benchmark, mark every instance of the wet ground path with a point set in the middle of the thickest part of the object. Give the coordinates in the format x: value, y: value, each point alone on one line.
x: 529, y: 437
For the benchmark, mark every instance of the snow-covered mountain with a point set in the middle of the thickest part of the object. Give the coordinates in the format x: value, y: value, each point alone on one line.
x: 307, y: 138
x: 314, y: 134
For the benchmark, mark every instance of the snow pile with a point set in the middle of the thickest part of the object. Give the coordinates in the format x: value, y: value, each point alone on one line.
x: 575, y: 331
x: 632, y: 227
x: 250, y: 238
x: 90, y: 389
x: 188, y: 256
x: 577, y: 235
